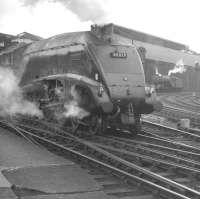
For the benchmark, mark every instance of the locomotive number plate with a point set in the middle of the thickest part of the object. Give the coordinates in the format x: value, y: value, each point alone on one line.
x: 117, y: 54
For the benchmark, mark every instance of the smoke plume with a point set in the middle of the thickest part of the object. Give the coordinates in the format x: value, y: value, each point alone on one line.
x: 11, y: 98
x: 86, y: 10
x: 178, y: 68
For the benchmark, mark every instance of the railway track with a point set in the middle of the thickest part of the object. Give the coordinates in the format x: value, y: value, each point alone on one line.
x: 162, y: 164
x: 175, y: 114
x: 190, y: 138
x: 181, y: 106
x: 130, y: 165
x: 184, y: 101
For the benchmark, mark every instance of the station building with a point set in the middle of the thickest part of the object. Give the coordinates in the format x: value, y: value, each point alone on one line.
x: 5, y: 41
x: 12, y: 48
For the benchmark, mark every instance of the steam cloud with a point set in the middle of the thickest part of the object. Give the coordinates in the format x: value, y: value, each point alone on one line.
x: 11, y: 98
x: 157, y: 73
x: 72, y: 108
x: 178, y: 68
x: 86, y: 10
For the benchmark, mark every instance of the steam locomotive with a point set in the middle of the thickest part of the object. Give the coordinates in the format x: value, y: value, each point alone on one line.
x: 167, y: 83
x: 90, y: 79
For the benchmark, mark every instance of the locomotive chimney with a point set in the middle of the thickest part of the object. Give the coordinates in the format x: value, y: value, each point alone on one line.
x: 103, y: 32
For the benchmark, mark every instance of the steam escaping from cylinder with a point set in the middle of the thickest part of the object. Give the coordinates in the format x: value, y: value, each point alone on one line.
x: 86, y: 10
x: 178, y: 68
x: 72, y: 107
x: 11, y: 97
x: 157, y: 73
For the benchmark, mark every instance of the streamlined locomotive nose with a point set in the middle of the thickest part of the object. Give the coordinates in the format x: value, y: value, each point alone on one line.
x: 123, y: 71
